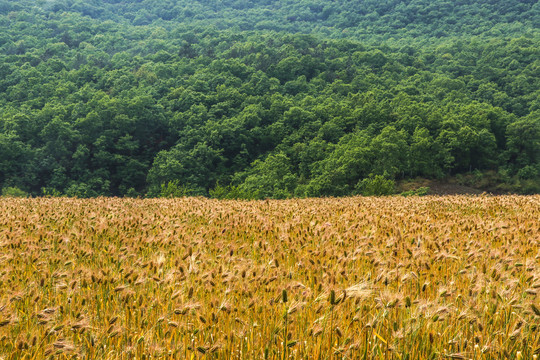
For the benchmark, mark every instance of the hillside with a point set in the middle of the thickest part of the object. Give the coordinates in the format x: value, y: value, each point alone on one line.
x: 275, y: 98
x: 365, y: 20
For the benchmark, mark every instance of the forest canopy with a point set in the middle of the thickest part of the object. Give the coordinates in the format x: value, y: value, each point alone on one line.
x: 262, y: 98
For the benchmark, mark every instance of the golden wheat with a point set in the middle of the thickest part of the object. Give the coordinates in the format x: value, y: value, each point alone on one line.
x: 376, y: 278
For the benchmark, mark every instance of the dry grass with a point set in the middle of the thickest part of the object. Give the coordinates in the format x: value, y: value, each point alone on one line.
x: 386, y: 278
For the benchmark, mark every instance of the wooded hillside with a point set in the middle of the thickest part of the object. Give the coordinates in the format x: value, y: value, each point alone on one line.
x: 266, y: 98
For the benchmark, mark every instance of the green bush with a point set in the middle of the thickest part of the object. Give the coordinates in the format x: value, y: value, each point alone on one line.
x: 527, y: 187
x: 173, y: 189
x: 13, y: 191
x: 81, y: 190
x: 528, y: 172
x: 50, y: 192
x: 232, y: 192
x: 376, y: 185
x: 131, y: 193
x: 421, y: 191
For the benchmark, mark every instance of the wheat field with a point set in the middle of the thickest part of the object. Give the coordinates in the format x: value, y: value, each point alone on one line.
x: 452, y: 277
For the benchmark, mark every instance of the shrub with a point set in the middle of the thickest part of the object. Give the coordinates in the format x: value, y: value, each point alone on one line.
x: 528, y: 172
x: 376, y: 185
x: 13, y: 191
x: 50, y: 192
x: 81, y: 190
x: 173, y: 189
x: 131, y: 193
x: 232, y: 192
x: 421, y: 191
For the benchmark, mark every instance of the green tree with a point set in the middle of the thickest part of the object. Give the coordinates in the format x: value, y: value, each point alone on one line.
x: 425, y: 158
x: 523, y: 141
x: 271, y: 178
x: 389, y: 152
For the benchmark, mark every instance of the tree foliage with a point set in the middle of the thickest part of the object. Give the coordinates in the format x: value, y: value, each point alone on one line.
x: 263, y: 98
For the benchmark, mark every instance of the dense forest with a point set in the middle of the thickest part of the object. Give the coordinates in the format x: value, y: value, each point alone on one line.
x: 266, y: 98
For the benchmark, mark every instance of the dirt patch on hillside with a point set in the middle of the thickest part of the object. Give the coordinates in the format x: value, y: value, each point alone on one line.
x: 438, y: 187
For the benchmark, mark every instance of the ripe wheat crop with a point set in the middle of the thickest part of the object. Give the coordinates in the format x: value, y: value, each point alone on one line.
x: 356, y: 278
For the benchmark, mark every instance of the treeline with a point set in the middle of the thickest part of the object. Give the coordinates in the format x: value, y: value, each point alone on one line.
x: 366, y: 20
x: 94, y: 108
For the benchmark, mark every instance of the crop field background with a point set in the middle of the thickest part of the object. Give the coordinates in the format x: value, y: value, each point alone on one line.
x: 377, y: 278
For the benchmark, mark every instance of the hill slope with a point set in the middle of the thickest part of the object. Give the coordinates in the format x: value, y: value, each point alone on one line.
x: 98, y: 99
x: 361, y: 20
